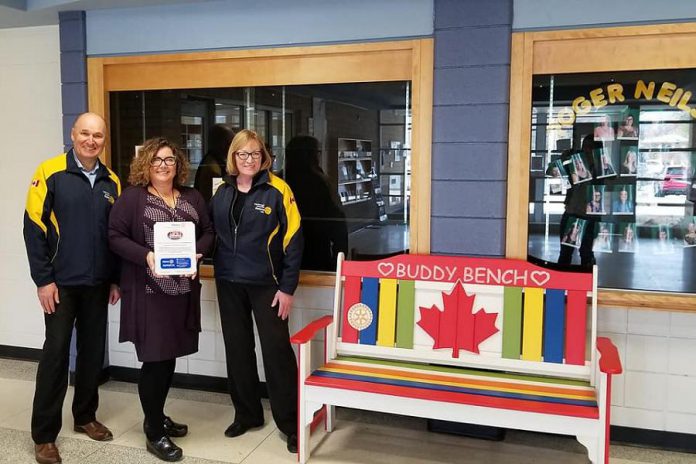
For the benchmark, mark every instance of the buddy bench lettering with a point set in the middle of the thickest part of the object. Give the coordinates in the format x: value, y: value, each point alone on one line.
x: 494, y: 342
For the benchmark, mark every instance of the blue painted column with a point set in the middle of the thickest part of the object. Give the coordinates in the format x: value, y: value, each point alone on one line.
x: 470, y: 126
x: 73, y: 68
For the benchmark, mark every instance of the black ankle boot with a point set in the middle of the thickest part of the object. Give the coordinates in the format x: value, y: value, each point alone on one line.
x: 164, y: 449
x: 174, y: 429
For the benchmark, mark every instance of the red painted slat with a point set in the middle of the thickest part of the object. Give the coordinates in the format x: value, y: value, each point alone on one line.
x: 485, y: 271
x: 351, y: 295
x: 461, y: 398
x: 576, y: 328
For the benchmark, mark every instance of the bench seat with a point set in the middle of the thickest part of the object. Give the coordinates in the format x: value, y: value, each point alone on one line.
x: 520, y: 392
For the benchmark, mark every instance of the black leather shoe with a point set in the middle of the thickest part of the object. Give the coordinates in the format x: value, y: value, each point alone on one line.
x: 237, y: 428
x: 292, y: 443
x: 164, y: 449
x: 174, y: 429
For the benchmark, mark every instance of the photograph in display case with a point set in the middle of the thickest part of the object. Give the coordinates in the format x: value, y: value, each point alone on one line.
x: 628, y: 129
x: 629, y: 161
x: 578, y: 170
x: 602, y: 244
x: 596, y: 200
x: 689, y: 231
x: 624, y: 200
x: 628, y: 243
x: 602, y: 160
x: 662, y: 240
x: 604, y: 130
x: 572, y: 235
x: 558, y: 181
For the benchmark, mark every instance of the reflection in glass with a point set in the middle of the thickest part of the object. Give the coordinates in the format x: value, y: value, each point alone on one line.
x: 637, y: 181
x: 345, y: 150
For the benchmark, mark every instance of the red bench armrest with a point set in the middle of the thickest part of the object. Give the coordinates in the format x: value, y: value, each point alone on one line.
x: 609, y: 361
x: 306, y: 334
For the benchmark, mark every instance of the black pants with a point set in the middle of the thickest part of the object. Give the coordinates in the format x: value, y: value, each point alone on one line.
x: 153, y: 387
x: 83, y: 307
x: 587, y: 259
x: 237, y: 303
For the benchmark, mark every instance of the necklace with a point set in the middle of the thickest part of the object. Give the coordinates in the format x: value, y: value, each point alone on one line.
x: 166, y: 200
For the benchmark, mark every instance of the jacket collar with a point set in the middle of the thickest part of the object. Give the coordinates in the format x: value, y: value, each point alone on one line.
x: 262, y: 177
x: 72, y: 166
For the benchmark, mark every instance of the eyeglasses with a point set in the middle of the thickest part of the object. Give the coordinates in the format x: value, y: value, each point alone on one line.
x: 157, y: 161
x: 244, y: 155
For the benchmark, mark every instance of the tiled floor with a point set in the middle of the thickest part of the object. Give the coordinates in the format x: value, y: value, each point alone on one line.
x: 359, y: 437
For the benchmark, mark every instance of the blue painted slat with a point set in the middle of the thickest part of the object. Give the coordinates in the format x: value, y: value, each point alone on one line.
x: 369, y: 296
x: 554, y: 326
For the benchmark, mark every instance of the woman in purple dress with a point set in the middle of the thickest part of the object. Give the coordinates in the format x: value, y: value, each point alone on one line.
x: 160, y: 315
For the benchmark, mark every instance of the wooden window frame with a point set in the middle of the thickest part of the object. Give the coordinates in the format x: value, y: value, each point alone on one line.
x: 403, y: 60
x: 632, y: 48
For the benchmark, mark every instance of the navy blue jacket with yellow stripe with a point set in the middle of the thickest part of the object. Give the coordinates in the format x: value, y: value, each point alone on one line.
x: 266, y: 246
x: 66, y: 224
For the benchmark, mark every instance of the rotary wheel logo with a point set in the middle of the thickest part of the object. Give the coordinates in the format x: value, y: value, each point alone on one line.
x: 359, y: 316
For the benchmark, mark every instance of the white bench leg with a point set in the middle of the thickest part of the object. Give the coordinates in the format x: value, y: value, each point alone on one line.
x: 330, y: 417
x: 595, y: 452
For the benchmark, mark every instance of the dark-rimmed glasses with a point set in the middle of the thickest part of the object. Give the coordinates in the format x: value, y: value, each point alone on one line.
x: 244, y: 155
x: 156, y: 161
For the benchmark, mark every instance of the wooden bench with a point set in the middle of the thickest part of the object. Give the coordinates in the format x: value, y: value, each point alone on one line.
x: 494, y: 342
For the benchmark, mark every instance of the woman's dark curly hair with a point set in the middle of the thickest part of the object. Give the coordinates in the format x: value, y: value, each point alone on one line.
x: 140, y: 166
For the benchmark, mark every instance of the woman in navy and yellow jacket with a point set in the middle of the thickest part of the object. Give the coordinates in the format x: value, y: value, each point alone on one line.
x: 257, y: 266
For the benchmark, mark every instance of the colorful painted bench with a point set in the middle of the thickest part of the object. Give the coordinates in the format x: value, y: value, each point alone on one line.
x: 494, y: 342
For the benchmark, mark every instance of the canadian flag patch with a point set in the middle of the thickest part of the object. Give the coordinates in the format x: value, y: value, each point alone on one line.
x: 35, y: 182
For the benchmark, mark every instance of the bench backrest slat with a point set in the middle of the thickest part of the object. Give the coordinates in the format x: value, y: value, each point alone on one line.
x: 512, y: 322
x: 351, y: 296
x: 369, y: 296
x: 406, y: 313
x: 386, y: 331
x: 576, y: 327
x: 554, y: 326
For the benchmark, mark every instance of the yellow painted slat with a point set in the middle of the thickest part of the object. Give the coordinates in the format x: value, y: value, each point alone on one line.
x: 532, y: 325
x: 386, y: 327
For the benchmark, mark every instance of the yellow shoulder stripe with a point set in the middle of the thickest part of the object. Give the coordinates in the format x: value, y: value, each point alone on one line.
x: 38, y: 190
x: 114, y: 177
x: 292, y: 213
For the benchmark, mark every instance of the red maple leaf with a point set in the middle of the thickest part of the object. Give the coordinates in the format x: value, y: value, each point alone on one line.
x: 457, y: 327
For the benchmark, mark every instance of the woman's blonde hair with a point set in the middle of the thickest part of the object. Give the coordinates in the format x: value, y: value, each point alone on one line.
x: 140, y: 166
x: 241, y: 139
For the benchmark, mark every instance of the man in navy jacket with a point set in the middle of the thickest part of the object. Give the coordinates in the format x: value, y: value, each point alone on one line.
x: 65, y: 232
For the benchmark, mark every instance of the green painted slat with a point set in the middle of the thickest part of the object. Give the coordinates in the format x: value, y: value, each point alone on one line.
x: 405, y: 314
x: 466, y: 371
x: 512, y: 322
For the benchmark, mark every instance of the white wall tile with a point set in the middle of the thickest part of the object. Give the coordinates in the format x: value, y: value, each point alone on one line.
x: 683, y: 325
x: 638, y: 418
x: 680, y: 423
x: 681, y: 395
x: 644, y: 322
x: 210, y: 316
x: 211, y: 368
x: 645, y: 390
x: 206, y: 346
x: 614, y: 320
x: 682, y: 356
x: 618, y: 386
x: 117, y: 358
x: 208, y: 290
x: 181, y: 365
x: 219, y: 347
x: 645, y: 353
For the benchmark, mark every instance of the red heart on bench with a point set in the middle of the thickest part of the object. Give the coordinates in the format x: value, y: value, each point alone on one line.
x: 385, y: 268
x: 540, y: 277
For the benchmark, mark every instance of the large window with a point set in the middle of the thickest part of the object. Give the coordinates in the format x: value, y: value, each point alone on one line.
x: 344, y: 149
x: 368, y: 105
x: 611, y: 168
